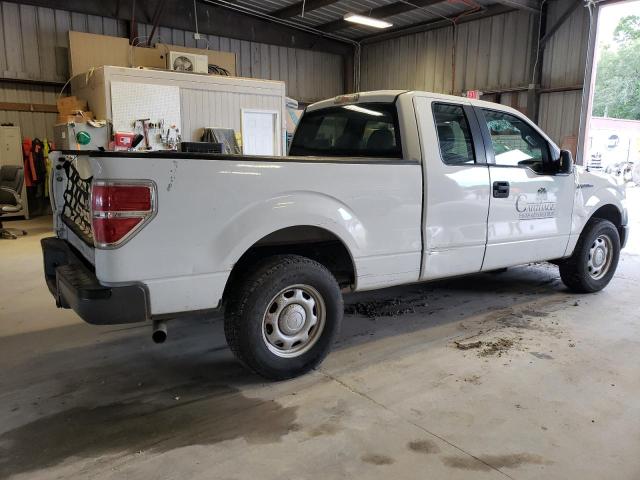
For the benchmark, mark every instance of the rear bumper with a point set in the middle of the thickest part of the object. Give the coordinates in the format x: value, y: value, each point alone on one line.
x: 74, y: 285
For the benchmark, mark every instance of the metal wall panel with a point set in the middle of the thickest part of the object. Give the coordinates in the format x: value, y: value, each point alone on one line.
x: 565, y: 54
x: 560, y: 114
x: 490, y: 54
x: 564, y: 66
x: 34, y: 45
x: 32, y: 124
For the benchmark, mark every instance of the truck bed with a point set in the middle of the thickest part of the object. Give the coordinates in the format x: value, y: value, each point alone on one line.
x: 211, y: 208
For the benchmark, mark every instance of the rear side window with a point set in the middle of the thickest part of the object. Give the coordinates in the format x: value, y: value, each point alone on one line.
x: 362, y: 130
x: 454, y: 135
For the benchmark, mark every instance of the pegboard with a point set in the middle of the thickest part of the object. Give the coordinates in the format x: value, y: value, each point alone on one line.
x: 131, y: 101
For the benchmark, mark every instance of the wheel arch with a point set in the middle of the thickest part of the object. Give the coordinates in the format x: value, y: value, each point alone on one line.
x: 609, y: 212
x: 612, y: 213
x: 311, y: 241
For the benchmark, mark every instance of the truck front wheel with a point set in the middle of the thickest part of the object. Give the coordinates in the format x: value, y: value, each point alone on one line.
x: 281, y: 319
x: 594, y: 259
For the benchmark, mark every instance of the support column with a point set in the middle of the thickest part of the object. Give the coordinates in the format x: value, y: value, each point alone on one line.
x: 535, y: 65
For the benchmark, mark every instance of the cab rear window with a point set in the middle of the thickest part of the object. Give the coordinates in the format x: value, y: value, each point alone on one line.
x: 362, y: 130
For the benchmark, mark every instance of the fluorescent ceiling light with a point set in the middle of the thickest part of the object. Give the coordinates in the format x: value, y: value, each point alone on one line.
x: 366, y: 111
x: 368, y: 21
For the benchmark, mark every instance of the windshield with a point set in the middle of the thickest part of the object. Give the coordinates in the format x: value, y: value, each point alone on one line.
x: 362, y: 130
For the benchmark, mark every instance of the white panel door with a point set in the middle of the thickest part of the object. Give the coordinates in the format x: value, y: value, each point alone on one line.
x: 259, y: 132
x: 456, y: 178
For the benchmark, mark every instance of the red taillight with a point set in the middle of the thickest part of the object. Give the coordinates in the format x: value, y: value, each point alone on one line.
x: 121, y: 198
x: 118, y: 210
x: 111, y: 230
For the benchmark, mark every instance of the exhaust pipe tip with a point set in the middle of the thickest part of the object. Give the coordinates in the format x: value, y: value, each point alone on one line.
x: 159, y: 334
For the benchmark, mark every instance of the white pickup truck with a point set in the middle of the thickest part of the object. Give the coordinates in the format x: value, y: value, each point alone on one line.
x: 379, y: 189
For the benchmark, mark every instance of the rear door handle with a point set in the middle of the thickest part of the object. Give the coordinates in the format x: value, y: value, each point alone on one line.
x: 501, y: 189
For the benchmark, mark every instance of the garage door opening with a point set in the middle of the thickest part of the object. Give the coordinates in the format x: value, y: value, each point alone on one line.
x: 612, y: 135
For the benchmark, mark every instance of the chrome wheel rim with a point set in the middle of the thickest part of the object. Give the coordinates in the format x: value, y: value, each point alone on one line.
x: 294, y: 321
x: 600, y: 257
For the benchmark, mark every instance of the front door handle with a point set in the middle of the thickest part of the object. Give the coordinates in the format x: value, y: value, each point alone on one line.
x: 501, y: 189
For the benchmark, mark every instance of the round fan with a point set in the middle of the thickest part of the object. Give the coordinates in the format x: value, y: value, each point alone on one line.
x: 183, y: 64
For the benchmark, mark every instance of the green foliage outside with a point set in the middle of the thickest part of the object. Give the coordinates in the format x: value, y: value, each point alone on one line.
x: 617, y: 89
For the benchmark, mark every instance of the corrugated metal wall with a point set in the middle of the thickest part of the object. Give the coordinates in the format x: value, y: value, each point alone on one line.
x: 32, y: 124
x: 34, y: 46
x: 490, y: 54
x: 564, y: 66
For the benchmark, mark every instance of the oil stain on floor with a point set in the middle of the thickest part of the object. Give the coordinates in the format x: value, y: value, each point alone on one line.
x: 423, y: 446
x: 377, y: 459
x: 487, y: 462
x: 146, y: 424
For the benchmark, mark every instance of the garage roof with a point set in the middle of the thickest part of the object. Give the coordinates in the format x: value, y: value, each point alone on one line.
x: 328, y: 15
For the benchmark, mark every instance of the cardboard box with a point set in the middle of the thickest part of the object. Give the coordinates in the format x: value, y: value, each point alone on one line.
x: 88, y: 50
x: 68, y: 105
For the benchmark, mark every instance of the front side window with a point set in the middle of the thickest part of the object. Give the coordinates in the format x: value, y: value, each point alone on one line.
x: 516, y: 143
x: 361, y: 130
x: 454, y: 135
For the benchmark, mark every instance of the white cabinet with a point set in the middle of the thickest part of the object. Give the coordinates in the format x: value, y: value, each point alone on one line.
x: 205, y: 101
x: 10, y: 146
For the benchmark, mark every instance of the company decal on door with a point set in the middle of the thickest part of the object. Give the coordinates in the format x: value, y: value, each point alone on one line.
x: 541, y: 207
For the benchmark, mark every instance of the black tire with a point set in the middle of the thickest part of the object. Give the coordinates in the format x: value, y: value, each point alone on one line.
x: 575, y: 271
x: 254, y: 293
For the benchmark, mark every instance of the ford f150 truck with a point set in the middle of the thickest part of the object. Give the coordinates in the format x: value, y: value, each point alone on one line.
x: 379, y: 189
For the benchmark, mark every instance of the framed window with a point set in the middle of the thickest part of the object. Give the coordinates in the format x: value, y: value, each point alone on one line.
x: 358, y: 130
x: 454, y: 134
x: 516, y: 143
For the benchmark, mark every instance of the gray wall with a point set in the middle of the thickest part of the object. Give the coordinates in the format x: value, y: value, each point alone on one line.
x: 34, y: 46
x: 564, y: 66
x: 31, y: 124
x: 492, y: 54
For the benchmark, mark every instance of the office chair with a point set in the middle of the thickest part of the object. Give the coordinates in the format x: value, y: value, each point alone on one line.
x: 11, y: 180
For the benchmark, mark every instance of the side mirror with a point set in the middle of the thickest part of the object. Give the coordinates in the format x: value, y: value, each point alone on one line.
x: 565, y: 162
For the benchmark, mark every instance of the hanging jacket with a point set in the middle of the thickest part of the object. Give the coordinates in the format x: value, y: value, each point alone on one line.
x: 37, y: 151
x: 47, y: 162
x: 30, y: 174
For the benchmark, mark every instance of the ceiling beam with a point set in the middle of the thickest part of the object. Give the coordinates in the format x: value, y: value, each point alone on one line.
x: 379, y: 12
x: 528, y: 5
x: 156, y: 19
x: 296, y: 9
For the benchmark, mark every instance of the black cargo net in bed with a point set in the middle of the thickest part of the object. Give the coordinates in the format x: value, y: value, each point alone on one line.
x: 76, y: 212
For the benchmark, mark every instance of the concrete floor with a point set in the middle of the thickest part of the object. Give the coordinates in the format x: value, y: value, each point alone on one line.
x: 551, y: 393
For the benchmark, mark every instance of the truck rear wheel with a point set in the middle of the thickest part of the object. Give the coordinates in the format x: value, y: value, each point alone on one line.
x: 594, y: 259
x: 281, y: 319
